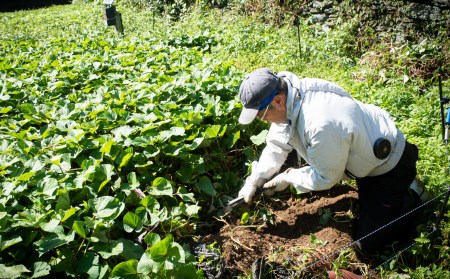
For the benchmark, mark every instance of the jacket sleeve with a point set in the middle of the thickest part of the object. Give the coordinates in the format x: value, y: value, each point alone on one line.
x: 327, y: 153
x: 275, y: 153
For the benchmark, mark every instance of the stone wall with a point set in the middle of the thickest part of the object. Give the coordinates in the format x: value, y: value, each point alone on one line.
x: 398, y: 19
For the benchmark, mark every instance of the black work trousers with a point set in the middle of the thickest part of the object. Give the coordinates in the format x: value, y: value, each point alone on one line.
x: 384, y: 198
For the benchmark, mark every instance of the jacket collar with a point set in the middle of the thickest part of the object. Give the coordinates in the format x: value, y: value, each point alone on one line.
x: 294, y: 97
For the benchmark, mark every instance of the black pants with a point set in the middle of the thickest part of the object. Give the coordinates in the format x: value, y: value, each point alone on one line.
x: 384, y: 198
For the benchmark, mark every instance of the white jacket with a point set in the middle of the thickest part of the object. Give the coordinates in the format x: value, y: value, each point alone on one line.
x: 332, y: 132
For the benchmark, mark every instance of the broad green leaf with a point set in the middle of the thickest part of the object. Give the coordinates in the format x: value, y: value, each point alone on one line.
x: 106, y: 207
x: 63, y: 200
x: 90, y: 265
x: 185, y: 195
x: 12, y: 272
x: 131, y: 250
x: 179, y: 255
x: 104, y: 172
x: 50, y: 242
x: 40, y: 269
x: 52, y: 226
x: 205, y: 185
x: 66, y: 125
x: 192, y: 210
x: 27, y: 218
x: 110, y: 249
x: 5, y: 243
x: 125, y: 160
x: 147, y: 265
x: 152, y: 238
x: 26, y: 176
x: 106, y: 147
x: 150, y: 203
x: 422, y: 240
x: 232, y: 139
x: 195, y: 143
x: 260, y: 138
x: 174, y: 131
x: 161, y: 187
x: 122, y: 133
x: 48, y: 186
x: 126, y: 270
x: 132, y: 180
x: 78, y: 227
x: 5, y: 109
x: 212, y: 131
x: 68, y: 214
x: 159, y: 250
x: 56, y: 160
x: 132, y: 222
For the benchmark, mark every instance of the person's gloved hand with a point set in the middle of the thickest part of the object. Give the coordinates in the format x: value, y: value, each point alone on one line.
x: 277, y: 184
x: 251, y: 184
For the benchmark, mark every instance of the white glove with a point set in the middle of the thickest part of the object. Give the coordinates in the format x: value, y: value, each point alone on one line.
x: 277, y: 184
x: 251, y: 184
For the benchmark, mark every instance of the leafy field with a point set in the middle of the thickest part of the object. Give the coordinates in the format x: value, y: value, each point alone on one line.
x: 117, y: 152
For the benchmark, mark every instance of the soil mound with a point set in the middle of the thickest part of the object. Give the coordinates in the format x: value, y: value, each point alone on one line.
x: 298, y: 235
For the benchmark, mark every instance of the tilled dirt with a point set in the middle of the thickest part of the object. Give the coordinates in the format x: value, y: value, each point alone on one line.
x: 303, y: 234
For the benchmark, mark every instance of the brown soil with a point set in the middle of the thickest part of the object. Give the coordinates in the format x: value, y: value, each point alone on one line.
x: 300, y: 236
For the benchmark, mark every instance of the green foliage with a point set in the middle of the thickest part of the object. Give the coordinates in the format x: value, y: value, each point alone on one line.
x: 88, y: 124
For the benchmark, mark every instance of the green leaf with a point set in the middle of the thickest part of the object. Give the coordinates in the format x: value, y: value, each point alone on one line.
x: 195, y: 143
x: 40, y: 269
x: 5, y: 243
x: 205, y: 185
x: 131, y: 250
x: 48, y: 185
x: 106, y: 207
x: 150, y: 203
x: 232, y: 139
x: 63, y: 200
x: 132, y: 180
x: 245, y: 218
x: 161, y: 187
x: 325, y: 215
x: 125, y: 160
x: 174, y: 131
x: 5, y: 109
x: 50, y: 242
x: 106, y: 147
x: 14, y: 271
x: 422, y: 240
x: 192, y: 210
x: 152, y: 238
x: 52, y: 226
x: 178, y: 255
x: 88, y: 264
x: 132, y: 222
x: 159, y: 250
x: 147, y: 265
x: 212, y: 131
x: 107, y: 250
x: 78, y: 227
x: 26, y: 176
x: 126, y: 270
x: 260, y: 138
x: 68, y: 214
